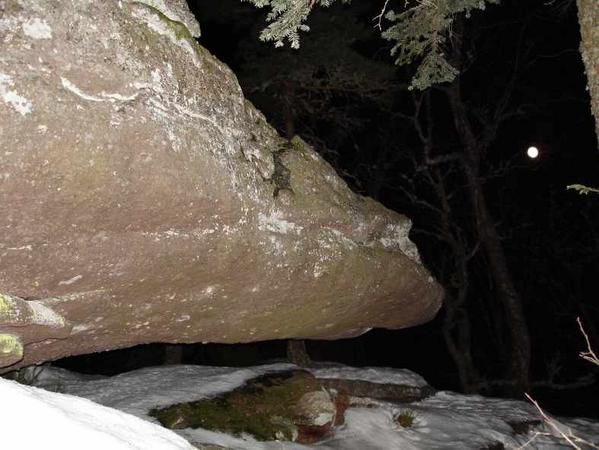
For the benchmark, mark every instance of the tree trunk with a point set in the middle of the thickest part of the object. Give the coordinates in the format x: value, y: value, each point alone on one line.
x: 456, y: 326
x: 507, y: 293
x: 588, y: 17
x: 297, y: 353
x: 456, y: 333
x: 173, y: 354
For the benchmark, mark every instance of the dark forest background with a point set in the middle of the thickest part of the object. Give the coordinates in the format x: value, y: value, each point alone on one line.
x: 516, y: 251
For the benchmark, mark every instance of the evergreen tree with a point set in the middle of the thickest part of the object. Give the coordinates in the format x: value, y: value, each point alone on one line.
x: 419, y: 31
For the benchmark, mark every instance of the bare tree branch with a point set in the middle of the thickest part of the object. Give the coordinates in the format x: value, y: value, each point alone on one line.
x: 589, y: 355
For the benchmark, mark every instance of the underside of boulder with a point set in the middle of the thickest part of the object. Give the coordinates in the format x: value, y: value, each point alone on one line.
x: 145, y: 200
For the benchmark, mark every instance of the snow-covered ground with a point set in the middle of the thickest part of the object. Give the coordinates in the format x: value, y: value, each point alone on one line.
x: 35, y: 418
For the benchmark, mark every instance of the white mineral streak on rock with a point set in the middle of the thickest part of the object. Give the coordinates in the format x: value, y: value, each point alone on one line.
x: 277, y: 246
x: 318, y: 270
x: 175, y: 140
x: 162, y: 109
x: 75, y: 90
x: 37, y: 29
x: 70, y: 280
x: 275, y: 224
x: 80, y: 328
x: 156, y: 81
x: 12, y: 98
x: 23, y: 247
x: 205, y: 118
x: 168, y: 234
x: 101, y: 97
x: 118, y: 97
x: 342, y: 238
x: 209, y: 290
x: 140, y: 85
x: 7, y: 24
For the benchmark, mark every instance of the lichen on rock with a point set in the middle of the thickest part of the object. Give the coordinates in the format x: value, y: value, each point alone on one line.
x: 11, y: 349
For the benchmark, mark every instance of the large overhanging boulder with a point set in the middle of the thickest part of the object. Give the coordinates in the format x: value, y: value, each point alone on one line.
x: 145, y: 200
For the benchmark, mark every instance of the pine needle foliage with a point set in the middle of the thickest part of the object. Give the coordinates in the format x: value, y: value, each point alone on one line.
x: 420, y: 31
x: 287, y: 18
x: 420, y: 34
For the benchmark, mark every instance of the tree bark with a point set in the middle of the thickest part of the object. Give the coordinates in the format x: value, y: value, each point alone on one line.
x: 297, y: 353
x: 173, y: 354
x: 588, y: 17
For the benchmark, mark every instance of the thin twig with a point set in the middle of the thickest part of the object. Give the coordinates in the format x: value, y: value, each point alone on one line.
x: 549, y: 421
x: 379, y: 18
x: 589, y: 355
x: 527, y: 443
x: 569, y: 437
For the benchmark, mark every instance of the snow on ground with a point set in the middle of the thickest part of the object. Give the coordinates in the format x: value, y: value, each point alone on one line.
x: 32, y: 418
x: 446, y: 420
x: 372, y: 374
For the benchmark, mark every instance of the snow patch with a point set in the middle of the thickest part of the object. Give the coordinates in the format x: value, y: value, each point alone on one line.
x: 372, y: 374
x: 71, y: 423
x: 12, y: 98
x: 37, y: 29
x: 444, y: 421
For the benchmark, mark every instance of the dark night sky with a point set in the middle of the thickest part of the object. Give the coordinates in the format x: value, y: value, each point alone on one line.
x: 548, y: 233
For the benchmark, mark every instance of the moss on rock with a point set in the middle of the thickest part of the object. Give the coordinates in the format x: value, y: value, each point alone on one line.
x: 264, y: 407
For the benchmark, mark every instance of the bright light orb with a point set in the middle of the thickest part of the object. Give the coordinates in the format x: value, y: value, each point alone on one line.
x: 532, y: 152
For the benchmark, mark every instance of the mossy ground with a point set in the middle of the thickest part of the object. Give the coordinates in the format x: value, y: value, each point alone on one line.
x: 263, y: 407
x: 406, y: 418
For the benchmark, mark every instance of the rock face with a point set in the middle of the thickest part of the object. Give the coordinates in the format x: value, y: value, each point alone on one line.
x: 145, y: 200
